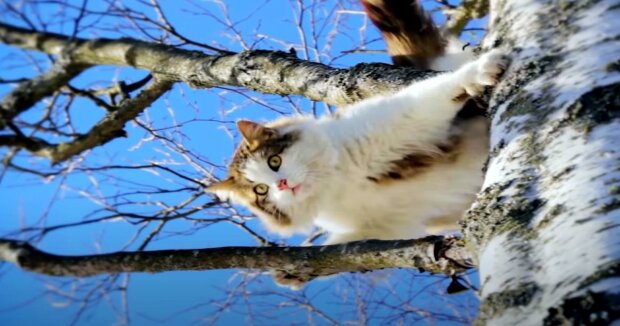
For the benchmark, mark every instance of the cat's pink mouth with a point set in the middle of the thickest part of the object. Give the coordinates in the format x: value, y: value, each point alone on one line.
x: 295, y: 189
x: 283, y: 185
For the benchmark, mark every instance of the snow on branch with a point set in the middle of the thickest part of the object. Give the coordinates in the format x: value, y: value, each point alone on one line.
x: 435, y: 254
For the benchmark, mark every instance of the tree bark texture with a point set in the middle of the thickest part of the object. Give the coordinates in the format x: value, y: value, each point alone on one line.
x: 435, y: 254
x: 271, y: 72
x: 546, y: 224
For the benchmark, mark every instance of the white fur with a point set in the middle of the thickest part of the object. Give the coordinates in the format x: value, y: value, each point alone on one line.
x: 334, y: 157
x: 457, y: 54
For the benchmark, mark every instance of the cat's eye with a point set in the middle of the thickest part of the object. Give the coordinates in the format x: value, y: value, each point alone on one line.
x: 261, y: 189
x: 274, y: 162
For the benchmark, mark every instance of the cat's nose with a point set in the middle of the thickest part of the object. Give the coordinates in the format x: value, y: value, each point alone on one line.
x: 282, y: 184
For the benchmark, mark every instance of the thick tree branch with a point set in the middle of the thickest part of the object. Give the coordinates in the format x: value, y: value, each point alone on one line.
x: 434, y: 254
x: 264, y: 71
x: 34, y: 145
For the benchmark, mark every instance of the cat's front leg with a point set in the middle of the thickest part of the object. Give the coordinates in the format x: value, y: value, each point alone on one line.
x: 432, y: 104
x: 423, y: 112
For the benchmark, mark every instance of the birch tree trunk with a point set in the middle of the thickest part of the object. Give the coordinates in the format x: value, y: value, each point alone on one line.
x: 545, y: 225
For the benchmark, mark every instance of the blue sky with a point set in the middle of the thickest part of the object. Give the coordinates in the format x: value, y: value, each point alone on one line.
x: 205, y: 120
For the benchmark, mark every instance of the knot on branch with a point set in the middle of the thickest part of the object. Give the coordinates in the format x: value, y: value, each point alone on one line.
x: 13, y: 250
x: 453, y: 250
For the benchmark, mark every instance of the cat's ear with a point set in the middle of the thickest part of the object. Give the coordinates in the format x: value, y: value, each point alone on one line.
x: 254, y: 133
x: 222, y: 189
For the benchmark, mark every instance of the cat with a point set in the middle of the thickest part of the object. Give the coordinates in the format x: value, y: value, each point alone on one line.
x: 388, y: 167
x: 392, y: 167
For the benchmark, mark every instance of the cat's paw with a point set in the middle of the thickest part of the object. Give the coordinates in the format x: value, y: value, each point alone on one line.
x: 491, y: 67
x: 485, y: 71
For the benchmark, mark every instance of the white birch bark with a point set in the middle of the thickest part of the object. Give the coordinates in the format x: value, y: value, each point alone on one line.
x: 546, y: 225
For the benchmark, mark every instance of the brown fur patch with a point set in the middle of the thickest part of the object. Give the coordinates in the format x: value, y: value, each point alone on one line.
x: 272, y: 216
x: 405, y: 168
x: 461, y: 97
x: 415, y: 164
x: 442, y: 223
x: 263, y: 149
x: 411, y: 36
x: 272, y: 144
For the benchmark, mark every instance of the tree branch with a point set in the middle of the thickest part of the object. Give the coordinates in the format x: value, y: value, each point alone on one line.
x: 463, y: 13
x: 111, y: 126
x: 34, y: 145
x: 271, y: 72
x: 434, y: 254
x: 29, y: 92
x: 108, y: 128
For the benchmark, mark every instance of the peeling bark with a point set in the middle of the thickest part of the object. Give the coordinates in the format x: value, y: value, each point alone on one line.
x: 434, y: 254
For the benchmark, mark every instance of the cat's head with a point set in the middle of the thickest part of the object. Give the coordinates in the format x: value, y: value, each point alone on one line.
x: 277, y: 172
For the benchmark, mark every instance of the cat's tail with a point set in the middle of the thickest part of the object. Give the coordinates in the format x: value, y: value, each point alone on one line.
x: 412, y: 37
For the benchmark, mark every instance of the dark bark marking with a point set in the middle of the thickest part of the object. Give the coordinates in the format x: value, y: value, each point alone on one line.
x: 610, y: 206
x: 613, y: 66
x: 611, y: 269
x: 518, y: 77
x: 599, y: 106
x: 589, y: 309
x: 496, y: 303
x: 495, y: 214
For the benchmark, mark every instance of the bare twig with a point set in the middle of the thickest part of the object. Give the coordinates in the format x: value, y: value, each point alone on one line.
x: 29, y: 92
x: 109, y: 128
